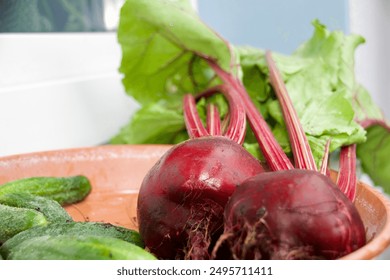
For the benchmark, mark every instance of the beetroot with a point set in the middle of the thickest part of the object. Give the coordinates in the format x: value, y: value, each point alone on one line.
x: 289, y: 213
x: 294, y: 214
x: 182, y: 198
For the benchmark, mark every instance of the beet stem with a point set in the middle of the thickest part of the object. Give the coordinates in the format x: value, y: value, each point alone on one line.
x: 366, y: 123
x: 272, y: 151
x: 325, y: 160
x: 236, y: 128
x: 208, y: 92
x: 303, y: 156
x: 237, y: 117
x: 213, y: 120
x: 225, y: 122
x: 346, y: 179
x: 194, y: 125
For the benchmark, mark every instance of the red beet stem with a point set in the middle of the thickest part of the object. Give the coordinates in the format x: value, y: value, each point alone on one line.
x: 194, y: 125
x: 225, y: 122
x: 213, y: 120
x: 237, y: 117
x: 236, y: 128
x: 303, y: 156
x: 366, y: 123
x: 346, y: 179
x: 325, y: 159
x: 272, y: 151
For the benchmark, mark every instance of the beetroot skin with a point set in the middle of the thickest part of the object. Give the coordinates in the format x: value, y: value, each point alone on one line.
x: 182, y: 198
x: 294, y: 214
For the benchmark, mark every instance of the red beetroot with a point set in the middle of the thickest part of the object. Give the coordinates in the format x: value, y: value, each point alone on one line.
x: 289, y: 213
x: 294, y: 214
x: 182, y: 198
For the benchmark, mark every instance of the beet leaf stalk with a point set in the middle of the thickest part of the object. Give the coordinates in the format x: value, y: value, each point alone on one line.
x: 346, y: 179
x: 303, y: 156
x: 234, y: 125
x: 325, y: 159
x: 213, y: 120
x: 272, y: 151
x: 193, y: 122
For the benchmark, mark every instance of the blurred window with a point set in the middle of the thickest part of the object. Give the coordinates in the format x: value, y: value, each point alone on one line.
x: 59, y: 15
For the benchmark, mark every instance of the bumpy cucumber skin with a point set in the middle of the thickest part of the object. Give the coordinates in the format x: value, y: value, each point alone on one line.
x: 14, y: 220
x: 51, y: 209
x: 73, y: 229
x: 78, y: 248
x: 64, y: 190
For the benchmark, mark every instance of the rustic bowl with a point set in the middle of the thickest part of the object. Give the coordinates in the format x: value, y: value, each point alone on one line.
x: 116, y: 173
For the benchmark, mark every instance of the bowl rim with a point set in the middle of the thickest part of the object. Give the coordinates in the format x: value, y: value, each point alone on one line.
x: 381, y: 241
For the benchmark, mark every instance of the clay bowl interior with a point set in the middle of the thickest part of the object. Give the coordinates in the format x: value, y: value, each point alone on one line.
x: 116, y: 173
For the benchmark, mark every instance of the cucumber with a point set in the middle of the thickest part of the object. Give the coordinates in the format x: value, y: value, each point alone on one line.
x: 64, y: 190
x: 78, y: 248
x: 51, y: 209
x: 73, y: 229
x: 14, y: 220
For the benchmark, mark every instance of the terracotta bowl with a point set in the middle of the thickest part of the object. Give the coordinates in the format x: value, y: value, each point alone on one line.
x: 116, y: 173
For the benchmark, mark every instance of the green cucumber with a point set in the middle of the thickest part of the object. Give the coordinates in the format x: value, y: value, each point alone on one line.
x: 64, y: 190
x: 78, y: 248
x: 51, y: 209
x: 73, y: 229
x: 14, y: 220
